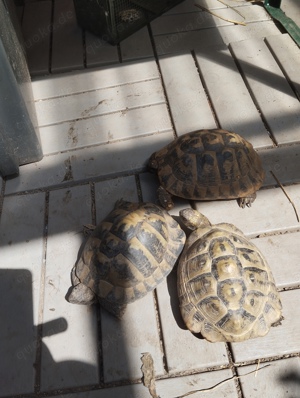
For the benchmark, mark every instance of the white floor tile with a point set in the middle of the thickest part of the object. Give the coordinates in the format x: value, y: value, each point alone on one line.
x: 280, y: 379
x: 70, y: 353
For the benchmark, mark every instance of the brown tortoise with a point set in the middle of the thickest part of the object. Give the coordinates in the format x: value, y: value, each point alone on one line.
x: 127, y: 255
x: 226, y: 288
x: 208, y: 165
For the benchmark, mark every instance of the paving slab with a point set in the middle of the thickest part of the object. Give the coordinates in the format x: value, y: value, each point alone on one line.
x: 201, y: 20
x: 275, y: 342
x: 206, y: 381
x: 129, y: 391
x: 67, y: 38
x: 51, y: 170
x: 232, y: 103
x: 21, y: 260
x: 70, y: 350
x: 137, y: 45
x: 189, y: 6
x: 37, y: 35
x: 262, y: 217
x: 120, y: 157
x: 99, y: 52
x: 184, y: 350
x: 178, y: 41
x: 280, y: 379
x: 189, y: 106
x: 105, y: 129
x: 287, y: 54
x: 99, y: 102
x: 282, y: 253
x: 283, y: 161
x: 124, y: 342
x: 269, y: 89
x: 93, y: 79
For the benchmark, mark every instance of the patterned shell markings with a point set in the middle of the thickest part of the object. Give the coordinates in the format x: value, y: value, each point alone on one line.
x: 129, y: 253
x: 210, y: 164
x: 226, y: 289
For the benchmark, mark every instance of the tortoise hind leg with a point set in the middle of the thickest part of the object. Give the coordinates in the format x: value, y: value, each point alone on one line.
x: 165, y: 198
x: 247, y: 201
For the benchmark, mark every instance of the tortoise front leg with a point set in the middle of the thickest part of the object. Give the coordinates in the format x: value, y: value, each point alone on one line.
x: 165, y: 198
x: 247, y: 201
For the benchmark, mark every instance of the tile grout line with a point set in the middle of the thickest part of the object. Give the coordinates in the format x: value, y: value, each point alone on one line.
x: 2, y: 195
x: 51, y: 38
x: 97, y: 308
x: 38, y: 358
x: 151, y: 36
x: 234, y: 370
x: 251, y: 94
x: 206, y: 91
x: 160, y: 333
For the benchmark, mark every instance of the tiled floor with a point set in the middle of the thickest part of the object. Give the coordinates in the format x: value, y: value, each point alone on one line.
x: 99, y: 124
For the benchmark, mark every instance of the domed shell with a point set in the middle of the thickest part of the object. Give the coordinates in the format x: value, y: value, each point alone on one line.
x: 128, y: 255
x: 225, y: 286
x: 209, y: 165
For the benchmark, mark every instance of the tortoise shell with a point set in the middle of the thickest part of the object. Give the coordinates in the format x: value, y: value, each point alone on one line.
x: 209, y: 165
x: 127, y: 255
x: 226, y: 288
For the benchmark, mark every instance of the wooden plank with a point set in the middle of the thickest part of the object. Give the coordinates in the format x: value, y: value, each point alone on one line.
x: 99, y: 102
x: 99, y: 52
x: 230, y: 97
x: 37, y: 35
x: 64, y: 362
x: 272, y: 93
x: 137, y: 46
x: 186, y: 96
x: 67, y: 44
x: 105, y: 129
x: 275, y: 342
x: 21, y: 258
x: 90, y: 80
x: 188, y: 40
x: 287, y: 54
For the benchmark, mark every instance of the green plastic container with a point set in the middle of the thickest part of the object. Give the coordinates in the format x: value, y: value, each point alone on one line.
x: 114, y: 20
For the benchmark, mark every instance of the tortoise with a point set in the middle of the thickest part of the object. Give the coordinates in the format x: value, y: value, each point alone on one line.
x: 208, y: 165
x: 126, y: 256
x: 225, y: 286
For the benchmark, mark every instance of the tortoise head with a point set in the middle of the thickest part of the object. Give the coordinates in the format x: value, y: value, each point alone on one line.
x: 153, y: 162
x: 192, y: 219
